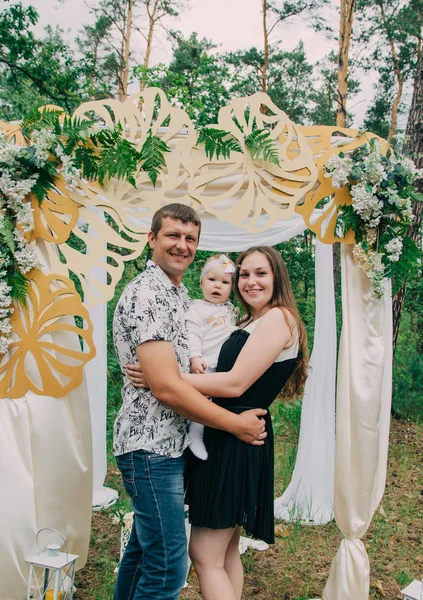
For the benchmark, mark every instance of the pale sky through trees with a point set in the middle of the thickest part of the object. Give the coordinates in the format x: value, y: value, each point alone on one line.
x: 231, y: 24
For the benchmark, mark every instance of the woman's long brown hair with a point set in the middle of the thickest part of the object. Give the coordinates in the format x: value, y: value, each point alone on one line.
x: 283, y: 298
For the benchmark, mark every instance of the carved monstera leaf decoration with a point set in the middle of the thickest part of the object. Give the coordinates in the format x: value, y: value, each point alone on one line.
x: 46, y: 355
x: 254, y: 194
x: 13, y: 132
x: 96, y: 253
x: 148, y: 111
x: 325, y: 141
x: 56, y: 216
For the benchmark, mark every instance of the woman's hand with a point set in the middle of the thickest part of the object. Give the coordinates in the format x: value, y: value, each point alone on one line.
x: 136, y: 376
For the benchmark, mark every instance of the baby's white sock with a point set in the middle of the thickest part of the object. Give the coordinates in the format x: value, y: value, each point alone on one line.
x: 197, y: 447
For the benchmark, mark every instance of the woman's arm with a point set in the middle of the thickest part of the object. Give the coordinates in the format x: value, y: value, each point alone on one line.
x: 268, y: 339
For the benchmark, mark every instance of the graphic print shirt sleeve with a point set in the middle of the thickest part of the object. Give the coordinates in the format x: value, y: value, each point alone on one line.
x: 149, y: 317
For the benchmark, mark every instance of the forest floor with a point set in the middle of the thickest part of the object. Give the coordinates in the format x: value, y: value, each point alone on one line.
x: 297, y: 566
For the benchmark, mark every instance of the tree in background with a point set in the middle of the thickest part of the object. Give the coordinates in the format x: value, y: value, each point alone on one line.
x: 414, y: 145
x: 100, y: 61
x: 346, y: 18
x: 393, y: 27
x: 325, y: 97
x: 378, y: 114
x: 34, y: 70
x: 195, y: 79
x: 156, y: 11
x: 289, y: 78
x: 128, y: 19
x: 277, y: 12
x: 120, y: 14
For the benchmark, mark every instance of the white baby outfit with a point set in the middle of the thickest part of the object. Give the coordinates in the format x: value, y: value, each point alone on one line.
x: 209, y: 326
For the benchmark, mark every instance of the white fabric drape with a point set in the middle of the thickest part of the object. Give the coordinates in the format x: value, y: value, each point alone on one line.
x: 96, y: 378
x: 362, y: 425
x: 46, y: 473
x: 309, y: 496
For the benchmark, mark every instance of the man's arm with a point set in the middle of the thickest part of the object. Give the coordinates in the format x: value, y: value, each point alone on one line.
x: 272, y: 334
x: 158, y: 362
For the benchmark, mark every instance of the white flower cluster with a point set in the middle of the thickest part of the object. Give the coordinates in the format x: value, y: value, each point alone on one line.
x: 394, y: 249
x: 338, y: 168
x: 374, y: 171
x: 15, y: 211
x: 25, y: 256
x: 8, y: 151
x: 371, y: 263
x: 42, y: 142
x: 70, y: 173
x: 367, y: 204
x: 408, y: 165
x: 380, y: 189
x: 5, y: 311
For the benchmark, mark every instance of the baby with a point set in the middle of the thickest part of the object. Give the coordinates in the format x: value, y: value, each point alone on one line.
x: 209, y: 323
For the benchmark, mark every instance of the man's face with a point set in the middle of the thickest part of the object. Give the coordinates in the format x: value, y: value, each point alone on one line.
x: 174, y: 247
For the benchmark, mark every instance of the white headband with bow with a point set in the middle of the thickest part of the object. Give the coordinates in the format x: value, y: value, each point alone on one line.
x: 223, y: 261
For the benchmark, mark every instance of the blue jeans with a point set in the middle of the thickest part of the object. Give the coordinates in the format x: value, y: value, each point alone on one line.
x: 154, y: 564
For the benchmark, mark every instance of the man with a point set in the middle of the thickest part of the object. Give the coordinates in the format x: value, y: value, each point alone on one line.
x: 150, y: 429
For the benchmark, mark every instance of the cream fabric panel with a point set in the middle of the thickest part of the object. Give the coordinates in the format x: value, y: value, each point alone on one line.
x: 362, y: 426
x: 45, y: 472
x: 45, y: 466
x: 309, y: 496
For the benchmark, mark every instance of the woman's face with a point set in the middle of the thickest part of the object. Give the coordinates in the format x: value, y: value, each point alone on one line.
x: 255, y: 282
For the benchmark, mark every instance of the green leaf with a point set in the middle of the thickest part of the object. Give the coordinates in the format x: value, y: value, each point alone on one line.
x: 6, y: 234
x: 218, y: 142
x: 261, y: 145
x: 19, y: 284
x: 152, y: 156
x: 87, y: 159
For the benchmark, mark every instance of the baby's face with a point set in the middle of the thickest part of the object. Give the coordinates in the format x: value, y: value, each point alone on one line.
x: 216, y: 285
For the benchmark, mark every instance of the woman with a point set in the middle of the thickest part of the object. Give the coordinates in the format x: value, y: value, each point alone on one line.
x: 234, y: 487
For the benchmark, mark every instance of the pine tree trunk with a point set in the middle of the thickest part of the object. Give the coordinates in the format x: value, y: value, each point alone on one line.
x: 398, y: 74
x: 345, y: 30
x: 151, y: 25
x: 265, y: 49
x: 414, y: 137
x: 126, y: 43
x: 92, y: 74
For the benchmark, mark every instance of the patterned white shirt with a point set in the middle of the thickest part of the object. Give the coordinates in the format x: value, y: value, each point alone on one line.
x: 150, y: 308
x: 209, y: 325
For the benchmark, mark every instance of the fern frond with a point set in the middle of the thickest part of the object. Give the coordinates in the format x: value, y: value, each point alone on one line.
x: 87, y: 159
x: 45, y: 182
x: 218, y: 142
x: 152, y: 156
x: 118, y: 157
x: 6, y: 233
x: 261, y: 145
x: 19, y: 284
x: 348, y: 219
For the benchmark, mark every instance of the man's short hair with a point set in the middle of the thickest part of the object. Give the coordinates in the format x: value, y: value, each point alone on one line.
x: 180, y: 212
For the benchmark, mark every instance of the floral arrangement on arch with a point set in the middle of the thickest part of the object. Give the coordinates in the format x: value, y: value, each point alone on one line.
x: 380, y: 213
x: 56, y: 146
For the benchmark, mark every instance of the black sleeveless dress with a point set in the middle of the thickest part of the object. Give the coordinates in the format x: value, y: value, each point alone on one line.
x: 234, y: 486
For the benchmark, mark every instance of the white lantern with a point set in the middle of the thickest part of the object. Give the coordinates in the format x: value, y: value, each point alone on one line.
x: 56, y: 571
x: 414, y: 591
